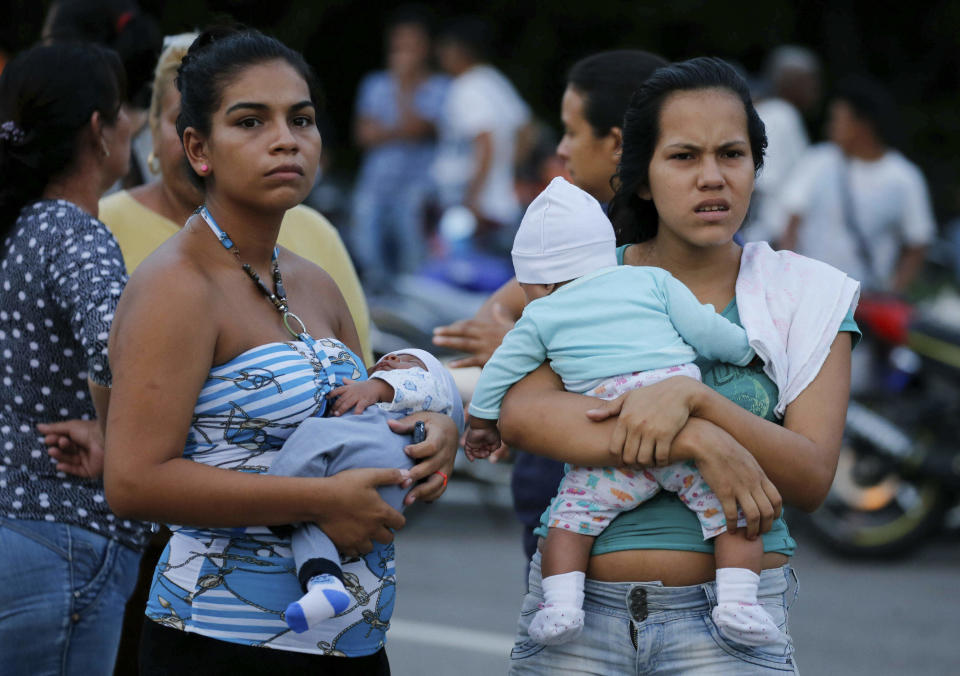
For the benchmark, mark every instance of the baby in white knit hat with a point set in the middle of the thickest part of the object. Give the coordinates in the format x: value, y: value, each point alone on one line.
x: 607, y: 329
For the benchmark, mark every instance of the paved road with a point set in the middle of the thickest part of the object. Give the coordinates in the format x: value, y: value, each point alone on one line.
x: 461, y: 580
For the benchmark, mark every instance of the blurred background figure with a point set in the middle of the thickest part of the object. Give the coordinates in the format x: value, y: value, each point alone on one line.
x: 397, y: 111
x: 857, y: 203
x: 484, y: 130
x: 136, y: 37
x: 792, y: 81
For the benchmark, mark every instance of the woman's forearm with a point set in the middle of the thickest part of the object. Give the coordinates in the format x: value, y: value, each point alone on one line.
x: 539, y: 417
x: 800, y: 456
x: 185, y: 492
x: 799, y: 467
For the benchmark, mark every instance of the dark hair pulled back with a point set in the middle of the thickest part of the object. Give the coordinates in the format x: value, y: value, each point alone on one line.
x: 607, y: 80
x: 40, y: 96
x: 635, y: 219
x: 118, y: 24
x: 214, y: 59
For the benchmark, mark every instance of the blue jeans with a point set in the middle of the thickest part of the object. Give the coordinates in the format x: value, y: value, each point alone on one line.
x: 62, y: 595
x: 646, y: 628
x: 387, y: 235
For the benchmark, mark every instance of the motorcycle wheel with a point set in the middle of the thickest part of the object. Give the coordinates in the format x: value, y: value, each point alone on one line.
x: 873, y: 511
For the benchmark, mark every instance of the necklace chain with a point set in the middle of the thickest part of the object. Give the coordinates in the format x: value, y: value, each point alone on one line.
x: 278, y: 297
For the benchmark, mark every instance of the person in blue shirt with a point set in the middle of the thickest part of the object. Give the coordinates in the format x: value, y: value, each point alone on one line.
x: 396, y: 115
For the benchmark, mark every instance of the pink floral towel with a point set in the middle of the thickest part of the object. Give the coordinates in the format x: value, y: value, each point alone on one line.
x: 791, y: 308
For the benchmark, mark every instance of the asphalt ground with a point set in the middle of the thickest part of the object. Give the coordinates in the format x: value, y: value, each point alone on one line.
x: 461, y: 578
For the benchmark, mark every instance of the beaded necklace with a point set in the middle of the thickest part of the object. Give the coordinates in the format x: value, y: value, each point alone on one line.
x: 278, y: 297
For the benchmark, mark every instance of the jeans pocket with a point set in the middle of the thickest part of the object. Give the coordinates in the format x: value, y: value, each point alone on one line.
x: 524, y: 646
x: 93, y: 558
x: 762, y: 656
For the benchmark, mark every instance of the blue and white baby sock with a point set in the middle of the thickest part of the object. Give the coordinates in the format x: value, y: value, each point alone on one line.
x: 326, y: 596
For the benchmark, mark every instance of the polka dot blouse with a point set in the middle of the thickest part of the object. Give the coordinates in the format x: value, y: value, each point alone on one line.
x: 60, y: 279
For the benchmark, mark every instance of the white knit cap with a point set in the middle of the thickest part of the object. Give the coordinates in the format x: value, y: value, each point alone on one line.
x: 563, y: 235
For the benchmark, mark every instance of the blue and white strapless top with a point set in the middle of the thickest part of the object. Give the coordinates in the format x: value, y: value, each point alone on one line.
x: 233, y: 584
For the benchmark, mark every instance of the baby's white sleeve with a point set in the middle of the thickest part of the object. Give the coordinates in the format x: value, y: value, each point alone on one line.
x: 415, y: 389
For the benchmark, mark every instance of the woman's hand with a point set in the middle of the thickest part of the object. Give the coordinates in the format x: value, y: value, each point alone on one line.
x: 648, y: 420
x: 354, y: 514
x: 733, y: 474
x: 434, y: 455
x: 76, y: 445
x: 479, y: 337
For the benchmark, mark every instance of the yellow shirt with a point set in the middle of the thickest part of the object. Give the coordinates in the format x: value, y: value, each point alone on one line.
x: 304, y: 231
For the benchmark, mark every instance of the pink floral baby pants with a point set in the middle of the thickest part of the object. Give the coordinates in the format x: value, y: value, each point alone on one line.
x: 591, y: 497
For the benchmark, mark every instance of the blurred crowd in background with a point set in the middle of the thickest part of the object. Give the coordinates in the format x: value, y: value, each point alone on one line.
x: 431, y: 158
x: 443, y: 151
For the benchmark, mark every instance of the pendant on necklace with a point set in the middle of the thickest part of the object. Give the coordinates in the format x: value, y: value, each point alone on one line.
x: 286, y: 316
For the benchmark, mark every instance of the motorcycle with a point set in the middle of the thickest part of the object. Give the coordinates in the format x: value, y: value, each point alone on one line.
x: 898, y: 475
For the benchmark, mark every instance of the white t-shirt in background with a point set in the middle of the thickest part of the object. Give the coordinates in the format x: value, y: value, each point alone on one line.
x: 480, y: 100
x: 890, y: 202
x: 786, y: 142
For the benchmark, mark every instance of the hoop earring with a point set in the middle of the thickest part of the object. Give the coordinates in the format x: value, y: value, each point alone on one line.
x: 153, y: 164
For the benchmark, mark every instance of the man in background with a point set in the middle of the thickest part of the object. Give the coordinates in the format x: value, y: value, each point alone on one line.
x: 792, y: 74
x: 856, y: 202
x: 482, y: 121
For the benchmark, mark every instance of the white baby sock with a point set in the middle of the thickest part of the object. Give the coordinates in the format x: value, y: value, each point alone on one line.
x: 738, y: 616
x: 326, y: 596
x: 560, y: 618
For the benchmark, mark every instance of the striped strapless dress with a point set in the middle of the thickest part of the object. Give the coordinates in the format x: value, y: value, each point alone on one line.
x: 234, y: 584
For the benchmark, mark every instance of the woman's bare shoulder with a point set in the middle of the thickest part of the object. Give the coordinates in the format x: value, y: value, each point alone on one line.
x: 306, y: 274
x: 175, y: 270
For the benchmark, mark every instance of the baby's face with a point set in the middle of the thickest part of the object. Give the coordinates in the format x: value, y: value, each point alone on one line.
x: 394, y: 362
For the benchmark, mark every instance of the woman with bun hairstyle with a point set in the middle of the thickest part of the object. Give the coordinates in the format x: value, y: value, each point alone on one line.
x: 144, y: 217
x: 67, y: 563
x: 223, y: 343
x: 692, y: 144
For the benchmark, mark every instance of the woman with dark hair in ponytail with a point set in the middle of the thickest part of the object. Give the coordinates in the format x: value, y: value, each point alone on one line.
x: 67, y: 563
x: 692, y: 144
x: 223, y: 343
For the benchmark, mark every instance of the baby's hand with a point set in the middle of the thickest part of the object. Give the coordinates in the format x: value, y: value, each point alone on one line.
x: 360, y: 395
x: 482, y: 438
